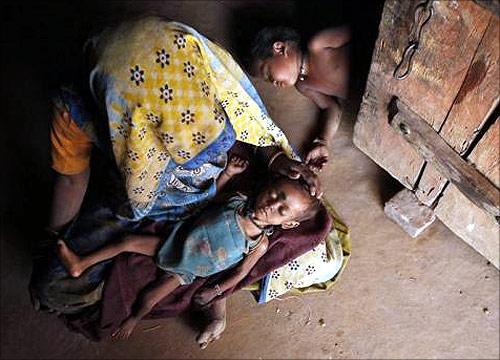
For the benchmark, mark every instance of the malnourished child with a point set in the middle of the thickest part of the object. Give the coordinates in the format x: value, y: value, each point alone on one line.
x: 219, y: 237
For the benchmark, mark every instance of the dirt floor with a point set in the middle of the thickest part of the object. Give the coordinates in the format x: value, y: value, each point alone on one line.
x: 431, y: 297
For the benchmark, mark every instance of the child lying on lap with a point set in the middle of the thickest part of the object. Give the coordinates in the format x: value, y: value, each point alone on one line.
x: 222, y: 236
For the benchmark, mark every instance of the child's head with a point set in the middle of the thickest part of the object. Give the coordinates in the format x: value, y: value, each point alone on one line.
x: 276, y: 56
x: 286, y: 202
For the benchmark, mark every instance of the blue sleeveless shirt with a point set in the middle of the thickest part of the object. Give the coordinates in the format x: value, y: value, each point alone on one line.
x: 207, y: 243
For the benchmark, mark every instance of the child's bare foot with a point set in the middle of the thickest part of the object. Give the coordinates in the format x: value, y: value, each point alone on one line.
x: 125, y: 329
x: 216, y: 326
x: 70, y: 260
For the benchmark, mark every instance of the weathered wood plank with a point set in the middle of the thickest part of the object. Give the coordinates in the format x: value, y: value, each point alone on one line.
x: 434, y: 149
x: 432, y: 183
x: 478, y: 96
x: 486, y: 155
x: 430, y: 186
x: 448, y: 43
x: 491, y: 5
x: 470, y: 223
x: 374, y: 136
x: 448, y: 46
x: 438, y: 71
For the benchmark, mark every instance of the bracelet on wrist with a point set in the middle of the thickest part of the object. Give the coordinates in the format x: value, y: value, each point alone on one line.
x: 273, y: 158
x: 218, y: 290
x: 320, y: 141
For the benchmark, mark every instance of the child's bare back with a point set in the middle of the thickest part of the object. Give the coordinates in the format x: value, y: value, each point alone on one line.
x: 328, y: 64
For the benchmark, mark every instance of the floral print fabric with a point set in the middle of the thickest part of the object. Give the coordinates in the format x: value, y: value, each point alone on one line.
x: 168, y: 92
x: 316, y: 270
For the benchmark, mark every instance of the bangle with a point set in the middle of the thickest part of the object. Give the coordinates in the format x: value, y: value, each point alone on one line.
x: 218, y: 290
x: 274, y: 157
x: 320, y: 141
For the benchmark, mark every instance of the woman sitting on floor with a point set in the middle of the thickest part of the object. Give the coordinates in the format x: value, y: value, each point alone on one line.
x: 160, y: 107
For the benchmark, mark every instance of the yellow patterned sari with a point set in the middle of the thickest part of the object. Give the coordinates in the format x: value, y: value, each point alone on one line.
x: 170, y: 95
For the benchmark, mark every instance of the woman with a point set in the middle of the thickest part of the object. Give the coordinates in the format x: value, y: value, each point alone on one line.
x: 164, y: 105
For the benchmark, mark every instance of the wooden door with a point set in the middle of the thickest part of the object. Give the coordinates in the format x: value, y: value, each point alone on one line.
x: 440, y: 59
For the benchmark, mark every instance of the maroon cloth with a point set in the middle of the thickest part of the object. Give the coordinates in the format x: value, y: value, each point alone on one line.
x: 130, y: 273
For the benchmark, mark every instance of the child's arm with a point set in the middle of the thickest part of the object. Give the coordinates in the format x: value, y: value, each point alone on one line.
x: 318, y: 154
x: 235, y: 166
x: 151, y: 296
x: 206, y: 295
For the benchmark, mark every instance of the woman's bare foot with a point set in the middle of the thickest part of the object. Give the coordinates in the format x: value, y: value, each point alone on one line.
x: 70, y: 260
x: 217, y: 323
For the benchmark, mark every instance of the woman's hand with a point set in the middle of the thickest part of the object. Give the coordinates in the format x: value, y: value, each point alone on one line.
x: 294, y: 170
x: 317, y: 157
x: 235, y: 165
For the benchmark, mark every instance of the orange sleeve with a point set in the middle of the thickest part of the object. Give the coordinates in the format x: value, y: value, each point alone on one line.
x: 71, y: 146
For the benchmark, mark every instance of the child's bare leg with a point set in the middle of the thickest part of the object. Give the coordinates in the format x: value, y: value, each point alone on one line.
x: 151, y: 296
x: 216, y: 314
x: 141, y: 244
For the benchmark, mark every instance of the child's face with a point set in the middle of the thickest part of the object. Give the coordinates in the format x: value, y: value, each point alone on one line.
x: 281, y: 202
x: 282, y: 69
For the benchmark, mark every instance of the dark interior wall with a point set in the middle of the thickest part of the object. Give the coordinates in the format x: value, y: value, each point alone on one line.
x: 40, y: 49
x: 309, y: 17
